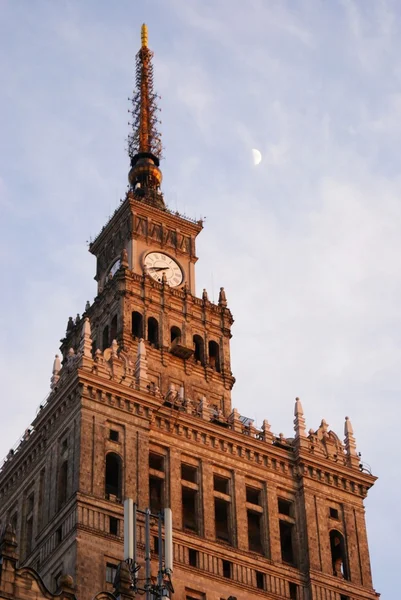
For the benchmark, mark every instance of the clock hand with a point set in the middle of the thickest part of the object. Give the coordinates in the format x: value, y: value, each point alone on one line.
x: 158, y: 268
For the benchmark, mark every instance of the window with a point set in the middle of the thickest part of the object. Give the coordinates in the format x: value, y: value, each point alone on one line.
x: 333, y: 513
x: 255, y: 531
x: 156, y: 461
x: 105, y: 338
x: 113, y: 328
x: 189, y: 473
x: 343, y: 597
x: 113, y: 477
x: 156, y: 494
x: 293, y: 589
x: 338, y: 555
x: 227, y: 569
x: 214, y: 356
x: 199, y: 349
x: 287, y: 552
x: 113, y: 435
x: 253, y: 495
x: 175, y: 333
x: 62, y: 484
x: 29, y: 524
x: 111, y: 572
x: 14, y: 522
x: 155, y: 544
x: 156, y: 482
x: 260, y: 580
x: 137, y: 325
x: 113, y: 525
x: 189, y: 509
x: 194, y: 595
x: 285, y: 507
x: 193, y: 557
x: 222, y: 519
x: 153, y: 331
x: 220, y: 484
x: 59, y: 536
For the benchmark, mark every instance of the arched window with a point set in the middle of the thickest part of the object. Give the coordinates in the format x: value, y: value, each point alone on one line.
x: 62, y: 484
x: 153, y: 331
x: 113, y: 476
x: 137, y: 324
x: 175, y: 333
x: 113, y: 328
x: 214, y: 355
x: 105, y: 338
x: 338, y: 555
x: 199, y: 349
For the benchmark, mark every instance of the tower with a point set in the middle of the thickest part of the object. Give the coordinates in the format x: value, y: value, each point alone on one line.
x: 140, y: 407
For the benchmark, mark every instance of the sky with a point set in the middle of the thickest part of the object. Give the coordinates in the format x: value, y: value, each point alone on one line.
x: 307, y: 244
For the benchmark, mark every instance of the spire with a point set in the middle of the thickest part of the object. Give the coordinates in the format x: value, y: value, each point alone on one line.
x: 350, y: 445
x: 299, y: 424
x: 55, y: 372
x: 144, y: 143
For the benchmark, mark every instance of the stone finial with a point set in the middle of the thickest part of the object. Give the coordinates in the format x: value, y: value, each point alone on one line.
x: 114, y: 348
x: 141, y: 366
x: 85, y: 344
x: 350, y: 445
x: 181, y: 393
x: 124, y: 258
x: 222, y: 298
x: 235, y: 420
x: 205, y: 297
x: 267, y: 435
x: 8, y: 544
x: 55, y: 372
x: 205, y: 410
x: 299, y: 423
x: 87, y: 305
x: 70, y: 324
x: 77, y: 319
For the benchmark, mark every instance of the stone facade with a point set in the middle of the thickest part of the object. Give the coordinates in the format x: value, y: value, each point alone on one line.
x: 140, y: 407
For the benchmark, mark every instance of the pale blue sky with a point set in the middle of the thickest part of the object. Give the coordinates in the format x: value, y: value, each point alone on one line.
x: 307, y: 244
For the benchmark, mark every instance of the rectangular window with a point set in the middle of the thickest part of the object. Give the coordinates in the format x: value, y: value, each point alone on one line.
x: 333, y: 513
x: 113, y: 525
x: 189, y: 509
x: 189, y: 473
x: 260, y: 580
x: 285, y: 507
x: 111, y: 572
x: 222, y: 519
x: 156, y: 494
x: 193, y: 557
x: 227, y: 569
x: 221, y: 484
x: 293, y: 591
x: 255, y: 543
x: 156, y: 461
x: 253, y: 495
x: 287, y: 552
x: 114, y: 435
x: 59, y: 535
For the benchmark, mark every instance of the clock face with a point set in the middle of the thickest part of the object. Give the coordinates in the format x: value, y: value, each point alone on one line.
x: 158, y: 264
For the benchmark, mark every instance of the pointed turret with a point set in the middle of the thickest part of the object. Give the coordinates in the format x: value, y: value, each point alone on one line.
x: 350, y: 445
x: 299, y: 424
x: 144, y: 142
x: 56, y: 372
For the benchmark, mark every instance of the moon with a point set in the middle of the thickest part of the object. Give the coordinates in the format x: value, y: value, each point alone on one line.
x: 257, y: 156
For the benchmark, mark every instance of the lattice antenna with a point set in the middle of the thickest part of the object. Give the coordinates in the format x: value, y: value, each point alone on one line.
x: 145, y: 136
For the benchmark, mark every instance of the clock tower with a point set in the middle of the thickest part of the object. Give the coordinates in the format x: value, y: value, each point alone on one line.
x: 140, y: 408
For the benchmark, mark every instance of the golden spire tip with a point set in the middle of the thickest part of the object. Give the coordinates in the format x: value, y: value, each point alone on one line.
x: 144, y: 36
